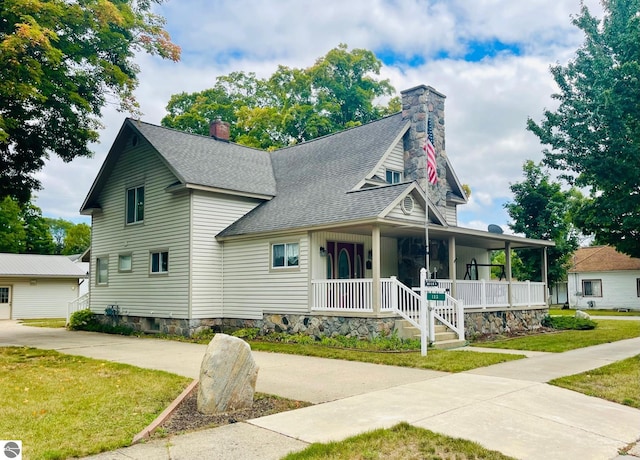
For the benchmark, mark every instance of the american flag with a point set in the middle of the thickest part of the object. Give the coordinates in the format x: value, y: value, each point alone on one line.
x: 432, y: 173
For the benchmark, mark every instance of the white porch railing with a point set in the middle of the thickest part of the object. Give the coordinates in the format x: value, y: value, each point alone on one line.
x: 342, y: 295
x: 78, y: 304
x: 483, y: 294
x: 396, y: 297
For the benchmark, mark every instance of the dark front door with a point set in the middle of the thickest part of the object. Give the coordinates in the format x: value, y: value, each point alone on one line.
x: 345, y: 260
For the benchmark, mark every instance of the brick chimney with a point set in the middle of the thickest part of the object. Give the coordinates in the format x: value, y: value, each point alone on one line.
x: 418, y: 103
x: 219, y: 130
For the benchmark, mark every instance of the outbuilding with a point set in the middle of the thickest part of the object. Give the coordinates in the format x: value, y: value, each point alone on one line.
x: 38, y: 286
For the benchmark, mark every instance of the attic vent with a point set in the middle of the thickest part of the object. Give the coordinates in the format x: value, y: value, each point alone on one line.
x: 407, y: 205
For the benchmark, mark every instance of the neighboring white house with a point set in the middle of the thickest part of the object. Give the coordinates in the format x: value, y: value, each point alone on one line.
x: 37, y: 286
x: 190, y: 230
x: 601, y: 277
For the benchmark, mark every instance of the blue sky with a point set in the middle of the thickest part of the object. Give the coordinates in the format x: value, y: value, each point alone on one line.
x: 490, y: 58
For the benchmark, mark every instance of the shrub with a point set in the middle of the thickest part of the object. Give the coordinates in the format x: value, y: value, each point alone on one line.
x: 568, y: 322
x: 80, y: 319
x: 249, y: 333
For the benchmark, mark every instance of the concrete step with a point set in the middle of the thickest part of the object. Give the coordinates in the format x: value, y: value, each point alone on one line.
x: 449, y: 344
x: 444, y: 336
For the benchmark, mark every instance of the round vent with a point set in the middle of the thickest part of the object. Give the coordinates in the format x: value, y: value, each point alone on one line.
x: 407, y: 204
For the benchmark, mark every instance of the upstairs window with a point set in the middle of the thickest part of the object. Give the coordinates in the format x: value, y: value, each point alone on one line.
x: 135, y: 205
x: 102, y: 271
x: 160, y: 262
x: 394, y: 177
x: 285, y: 255
x: 592, y: 288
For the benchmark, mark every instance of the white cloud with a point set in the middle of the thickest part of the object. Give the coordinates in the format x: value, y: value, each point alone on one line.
x: 487, y: 103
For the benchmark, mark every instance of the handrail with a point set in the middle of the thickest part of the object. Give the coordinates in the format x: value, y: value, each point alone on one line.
x: 77, y: 304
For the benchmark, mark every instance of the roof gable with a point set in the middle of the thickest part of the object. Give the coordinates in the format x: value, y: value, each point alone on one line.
x: 602, y: 259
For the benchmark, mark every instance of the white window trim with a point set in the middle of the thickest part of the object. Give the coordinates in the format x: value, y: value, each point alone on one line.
x: 136, y: 221
x: 98, y: 282
x: 392, y: 171
x: 159, y: 273
x: 285, y: 267
x: 591, y: 280
x: 125, y: 254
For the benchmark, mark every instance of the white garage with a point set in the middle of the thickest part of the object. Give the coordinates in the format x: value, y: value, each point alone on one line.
x: 38, y: 286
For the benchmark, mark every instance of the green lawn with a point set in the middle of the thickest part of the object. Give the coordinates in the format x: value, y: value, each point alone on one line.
x: 437, y: 360
x: 618, y: 382
x: 607, y: 331
x: 401, y: 442
x: 61, y: 405
x: 559, y: 311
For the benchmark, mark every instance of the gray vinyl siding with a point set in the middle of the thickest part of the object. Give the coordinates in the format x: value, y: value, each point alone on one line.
x: 165, y: 228
x: 46, y: 298
x: 252, y: 287
x: 417, y: 215
x: 394, y: 161
x: 211, y: 213
x: 450, y: 215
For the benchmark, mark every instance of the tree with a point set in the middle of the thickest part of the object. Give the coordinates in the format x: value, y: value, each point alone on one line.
x: 38, y: 239
x: 542, y: 210
x: 594, y: 134
x: 518, y: 270
x: 77, y: 239
x: 291, y: 106
x: 61, y: 61
x: 12, y: 233
x: 59, y: 228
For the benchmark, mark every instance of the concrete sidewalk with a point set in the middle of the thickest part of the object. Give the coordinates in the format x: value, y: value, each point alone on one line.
x: 505, y: 407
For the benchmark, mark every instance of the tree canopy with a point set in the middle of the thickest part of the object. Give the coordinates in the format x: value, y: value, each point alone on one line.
x: 291, y: 106
x: 541, y: 209
x: 61, y: 61
x: 594, y: 134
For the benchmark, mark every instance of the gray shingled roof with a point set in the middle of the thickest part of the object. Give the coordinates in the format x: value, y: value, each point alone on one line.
x: 39, y: 266
x: 202, y: 160
x: 315, y: 179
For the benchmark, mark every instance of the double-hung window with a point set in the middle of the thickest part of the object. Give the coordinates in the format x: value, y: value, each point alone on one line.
x: 159, y: 262
x: 102, y: 271
x: 124, y: 263
x: 285, y: 255
x: 135, y: 205
x: 592, y: 288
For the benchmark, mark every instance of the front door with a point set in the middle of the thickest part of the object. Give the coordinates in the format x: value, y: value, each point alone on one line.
x: 345, y: 260
x: 5, y: 302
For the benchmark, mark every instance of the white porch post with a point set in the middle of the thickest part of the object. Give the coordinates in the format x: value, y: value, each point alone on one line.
x: 507, y: 260
x: 452, y: 265
x: 545, y: 269
x: 375, y: 266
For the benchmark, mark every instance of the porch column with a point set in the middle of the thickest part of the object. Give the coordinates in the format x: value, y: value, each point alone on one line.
x: 545, y: 269
x: 507, y: 261
x: 452, y: 265
x: 375, y: 266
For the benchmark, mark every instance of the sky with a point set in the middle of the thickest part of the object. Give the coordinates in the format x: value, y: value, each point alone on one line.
x: 491, y: 58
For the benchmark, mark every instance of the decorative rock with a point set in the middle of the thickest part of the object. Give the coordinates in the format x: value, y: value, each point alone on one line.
x: 228, y: 376
x: 582, y: 315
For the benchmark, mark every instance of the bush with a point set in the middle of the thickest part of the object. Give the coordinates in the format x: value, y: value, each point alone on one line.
x: 80, y: 319
x: 568, y: 322
x: 249, y: 333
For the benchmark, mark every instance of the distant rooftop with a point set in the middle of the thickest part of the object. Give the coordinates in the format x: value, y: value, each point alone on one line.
x: 39, y: 266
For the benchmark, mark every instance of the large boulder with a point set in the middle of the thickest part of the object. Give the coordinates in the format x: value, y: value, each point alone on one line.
x: 228, y: 376
x: 582, y: 315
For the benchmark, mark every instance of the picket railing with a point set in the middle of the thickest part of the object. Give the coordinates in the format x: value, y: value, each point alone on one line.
x: 78, y: 304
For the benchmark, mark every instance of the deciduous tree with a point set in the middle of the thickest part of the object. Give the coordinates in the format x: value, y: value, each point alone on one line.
x: 594, y: 134
x: 61, y: 61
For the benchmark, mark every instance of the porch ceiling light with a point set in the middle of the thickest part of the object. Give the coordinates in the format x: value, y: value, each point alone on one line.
x: 323, y: 252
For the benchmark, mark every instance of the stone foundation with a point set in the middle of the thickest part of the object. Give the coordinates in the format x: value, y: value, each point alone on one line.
x: 486, y: 322
x: 477, y: 323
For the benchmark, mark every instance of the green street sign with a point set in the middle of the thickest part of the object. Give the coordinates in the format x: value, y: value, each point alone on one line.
x: 435, y: 296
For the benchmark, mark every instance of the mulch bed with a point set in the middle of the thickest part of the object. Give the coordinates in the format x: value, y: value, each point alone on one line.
x: 187, y: 418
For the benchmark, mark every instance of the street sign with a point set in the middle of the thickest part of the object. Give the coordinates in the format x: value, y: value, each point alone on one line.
x: 435, y: 296
x: 430, y: 283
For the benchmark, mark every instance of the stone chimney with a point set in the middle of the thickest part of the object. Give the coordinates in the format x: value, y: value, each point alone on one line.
x: 219, y: 130
x: 418, y: 104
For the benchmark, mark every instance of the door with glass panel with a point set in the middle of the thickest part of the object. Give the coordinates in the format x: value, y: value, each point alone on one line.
x: 5, y: 302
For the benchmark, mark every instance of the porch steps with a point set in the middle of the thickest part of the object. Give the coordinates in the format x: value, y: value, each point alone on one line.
x: 445, y: 338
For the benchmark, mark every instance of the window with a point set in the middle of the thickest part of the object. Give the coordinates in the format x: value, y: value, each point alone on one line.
x: 160, y: 262
x: 124, y: 263
x: 4, y: 295
x: 285, y: 255
x: 135, y: 205
x: 102, y: 271
x: 393, y: 177
x: 592, y: 288
x: 638, y: 286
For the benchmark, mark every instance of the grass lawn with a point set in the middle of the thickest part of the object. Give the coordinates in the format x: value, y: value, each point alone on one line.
x: 607, y: 331
x: 61, y: 405
x: 618, y: 382
x: 437, y: 360
x: 560, y: 312
x: 402, y: 441
x: 45, y: 322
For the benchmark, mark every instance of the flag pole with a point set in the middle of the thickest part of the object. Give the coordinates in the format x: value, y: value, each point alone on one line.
x: 428, y: 188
